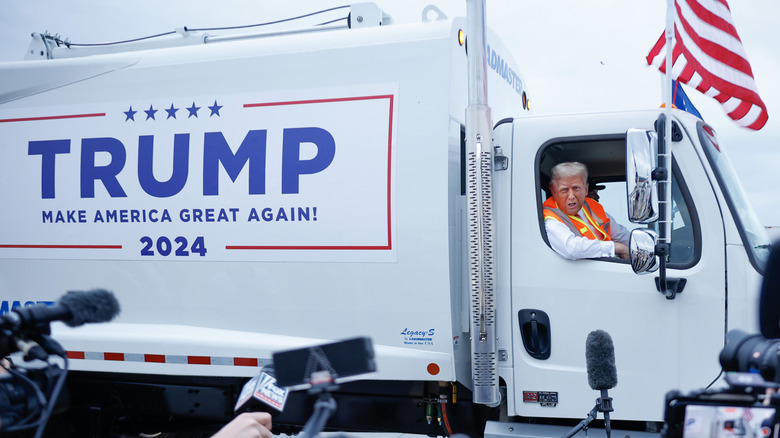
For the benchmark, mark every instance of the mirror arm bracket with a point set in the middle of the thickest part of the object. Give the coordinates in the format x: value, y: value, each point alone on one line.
x: 659, y: 174
x: 668, y: 286
x: 674, y: 286
x: 662, y: 250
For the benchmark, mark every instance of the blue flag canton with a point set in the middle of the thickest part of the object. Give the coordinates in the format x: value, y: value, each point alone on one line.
x: 682, y: 101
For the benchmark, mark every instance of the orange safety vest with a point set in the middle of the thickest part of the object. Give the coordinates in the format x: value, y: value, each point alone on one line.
x: 594, y: 213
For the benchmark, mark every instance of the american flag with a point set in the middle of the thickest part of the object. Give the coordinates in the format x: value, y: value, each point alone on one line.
x: 708, y: 55
x: 747, y: 415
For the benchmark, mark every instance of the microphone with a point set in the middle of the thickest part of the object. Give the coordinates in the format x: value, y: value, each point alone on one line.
x: 600, y: 359
x: 73, y: 308
x: 602, y: 373
x: 602, y: 376
x: 261, y: 394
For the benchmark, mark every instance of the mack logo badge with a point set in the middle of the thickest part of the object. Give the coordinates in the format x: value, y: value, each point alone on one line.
x: 544, y: 398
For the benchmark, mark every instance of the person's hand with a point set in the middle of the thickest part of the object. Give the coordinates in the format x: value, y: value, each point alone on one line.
x: 621, y: 250
x: 247, y: 425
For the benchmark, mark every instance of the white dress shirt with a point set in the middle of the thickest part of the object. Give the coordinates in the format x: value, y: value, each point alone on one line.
x: 573, y: 247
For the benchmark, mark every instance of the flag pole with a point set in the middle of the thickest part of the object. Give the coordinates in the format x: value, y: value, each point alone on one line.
x: 670, y: 16
x: 666, y: 222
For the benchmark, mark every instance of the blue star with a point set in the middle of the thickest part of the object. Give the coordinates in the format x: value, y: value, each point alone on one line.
x: 130, y: 114
x: 171, y: 112
x: 150, y: 113
x: 215, y: 109
x: 193, y: 110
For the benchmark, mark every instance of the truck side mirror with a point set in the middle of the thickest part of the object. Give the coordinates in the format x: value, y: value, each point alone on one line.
x: 641, y: 189
x: 641, y: 251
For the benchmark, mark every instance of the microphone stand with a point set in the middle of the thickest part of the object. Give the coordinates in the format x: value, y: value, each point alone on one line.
x: 604, y: 405
x: 324, y: 407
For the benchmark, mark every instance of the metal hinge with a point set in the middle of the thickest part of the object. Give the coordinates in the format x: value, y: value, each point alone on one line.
x: 500, y: 161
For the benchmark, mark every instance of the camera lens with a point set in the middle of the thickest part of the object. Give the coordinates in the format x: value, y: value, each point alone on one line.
x: 746, y: 352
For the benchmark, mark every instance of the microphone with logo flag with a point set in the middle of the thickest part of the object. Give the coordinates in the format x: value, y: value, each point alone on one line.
x: 262, y: 394
x: 602, y: 376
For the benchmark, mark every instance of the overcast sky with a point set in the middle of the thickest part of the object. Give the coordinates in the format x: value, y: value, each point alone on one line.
x: 575, y: 55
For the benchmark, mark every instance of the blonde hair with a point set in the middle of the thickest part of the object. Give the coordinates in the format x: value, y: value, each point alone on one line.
x: 569, y: 169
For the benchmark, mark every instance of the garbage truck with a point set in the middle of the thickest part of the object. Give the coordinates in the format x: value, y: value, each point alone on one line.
x: 243, y: 193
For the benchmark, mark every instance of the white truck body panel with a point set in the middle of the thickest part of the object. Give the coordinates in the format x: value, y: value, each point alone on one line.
x: 359, y: 248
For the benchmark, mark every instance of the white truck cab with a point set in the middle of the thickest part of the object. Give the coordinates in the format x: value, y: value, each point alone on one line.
x: 717, y: 252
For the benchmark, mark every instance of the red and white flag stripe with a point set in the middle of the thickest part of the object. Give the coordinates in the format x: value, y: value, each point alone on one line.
x: 708, y: 55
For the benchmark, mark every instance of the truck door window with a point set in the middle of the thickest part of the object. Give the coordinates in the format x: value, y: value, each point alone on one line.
x: 605, y: 159
x: 613, y: 198
x: 683, y: 252
x: 685, y: 249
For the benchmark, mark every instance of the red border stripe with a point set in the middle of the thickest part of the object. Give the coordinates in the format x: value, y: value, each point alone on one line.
x: 67, y: 116
x: 23, y: 246
x: 389, y: 245
x: 76, y: 355
x: 306, y: 102
x: 305, y: 247
x: 389, y: 174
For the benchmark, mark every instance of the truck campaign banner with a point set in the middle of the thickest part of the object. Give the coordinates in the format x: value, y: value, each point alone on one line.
x: 285, y: 176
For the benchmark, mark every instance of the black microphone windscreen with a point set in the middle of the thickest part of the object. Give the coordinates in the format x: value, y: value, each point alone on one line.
x: 93, y: 306
x: 600, y: 359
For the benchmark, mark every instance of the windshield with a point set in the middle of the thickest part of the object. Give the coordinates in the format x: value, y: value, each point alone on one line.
x: 754, y: 235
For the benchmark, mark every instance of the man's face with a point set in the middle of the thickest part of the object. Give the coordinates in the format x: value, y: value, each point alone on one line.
x: 569, y: 193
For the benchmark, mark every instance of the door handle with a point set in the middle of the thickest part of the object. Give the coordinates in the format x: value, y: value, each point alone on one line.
x: 535, y: 333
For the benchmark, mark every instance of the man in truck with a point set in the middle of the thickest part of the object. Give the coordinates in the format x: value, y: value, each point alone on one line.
x: 577, y: 226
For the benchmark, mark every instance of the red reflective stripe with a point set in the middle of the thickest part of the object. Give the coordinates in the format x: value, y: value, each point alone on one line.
x: 245, y: 362
x: 199, y: 360
x: 76, y: 355
x: 156, y: 358
x: 161, y: 358
x: 114, y: 356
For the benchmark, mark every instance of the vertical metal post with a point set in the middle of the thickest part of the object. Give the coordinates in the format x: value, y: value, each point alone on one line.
x: 665, y: 156
x: 667, y: 219
x: 479, y: 165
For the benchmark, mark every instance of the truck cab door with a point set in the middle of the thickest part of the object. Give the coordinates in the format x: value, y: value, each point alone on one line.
x: 660, y: 344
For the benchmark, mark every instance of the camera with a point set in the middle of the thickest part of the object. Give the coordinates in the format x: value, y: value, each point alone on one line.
x: 20, y: 395
x: 749, y: 406
x: 745, y: 352
x: 754, y: 353
x: 31, y: 393
x: 744, y: 410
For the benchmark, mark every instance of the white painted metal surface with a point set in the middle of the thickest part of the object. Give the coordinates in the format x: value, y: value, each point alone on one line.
x: 167, y: 176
